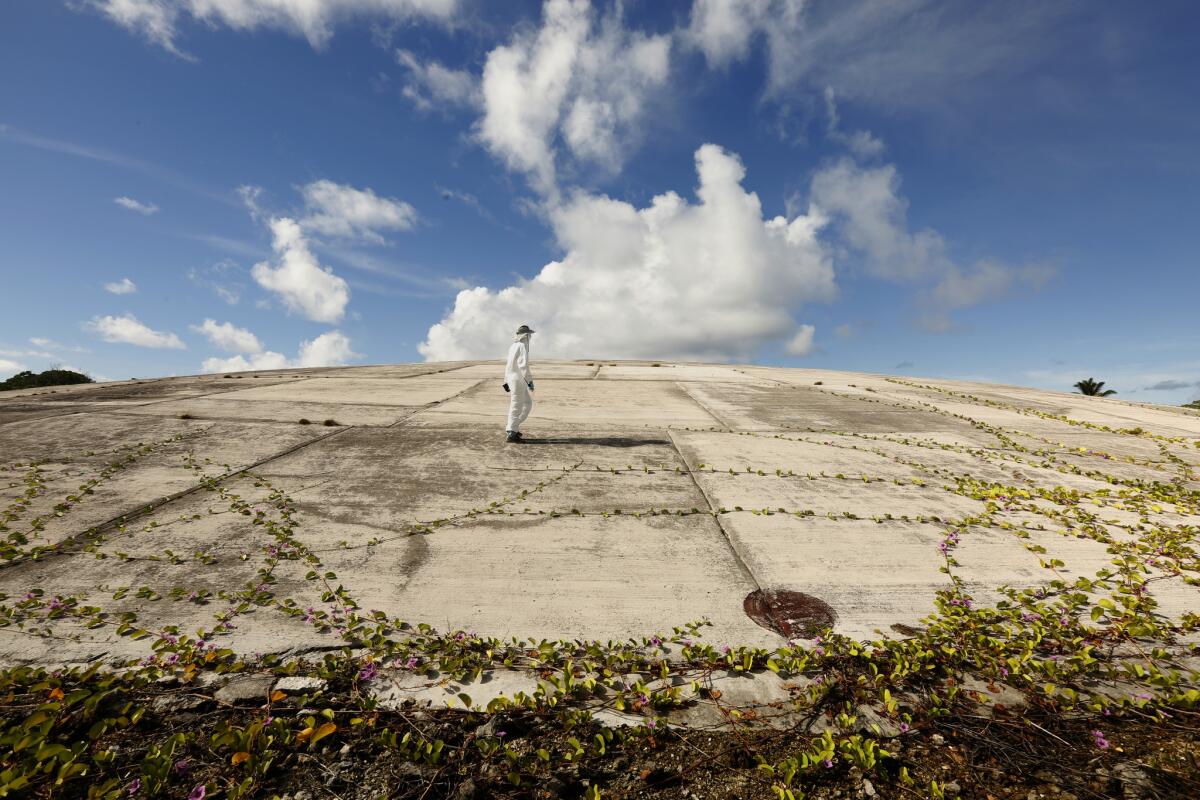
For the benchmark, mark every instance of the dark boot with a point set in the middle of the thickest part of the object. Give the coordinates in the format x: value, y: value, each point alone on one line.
x: 513, y: 437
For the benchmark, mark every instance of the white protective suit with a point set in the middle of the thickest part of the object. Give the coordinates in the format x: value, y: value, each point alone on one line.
x: 518, y: 377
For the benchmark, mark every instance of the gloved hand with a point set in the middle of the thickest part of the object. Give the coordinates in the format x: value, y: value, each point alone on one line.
x: 506, y: 388
x: 531, y: 386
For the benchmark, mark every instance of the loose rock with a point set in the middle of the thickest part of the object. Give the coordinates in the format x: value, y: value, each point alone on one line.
x: 298, y: 683
x: 245, y: 689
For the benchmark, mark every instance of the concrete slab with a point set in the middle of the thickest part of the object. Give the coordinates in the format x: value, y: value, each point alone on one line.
x: 666, y: 371
x: 223, y: 407
x: 577, y: 578
x: 544, y: 370
x: 415, y: 391
x: 780, y: 407
x: 873, y: 576
x: 422, y: 511
x: 566, y: 403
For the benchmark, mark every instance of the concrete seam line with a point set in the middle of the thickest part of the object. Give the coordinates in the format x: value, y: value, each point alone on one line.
x: 55, y: 415
x: 255, y: 420
x: 155, y: 505
x: 683, y: 388
x: 436, y: 403
x: 99, y: 408
x: 733, y: 548
x: 205, y: 394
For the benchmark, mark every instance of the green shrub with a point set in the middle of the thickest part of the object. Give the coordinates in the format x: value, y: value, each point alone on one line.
x: 51, y: 377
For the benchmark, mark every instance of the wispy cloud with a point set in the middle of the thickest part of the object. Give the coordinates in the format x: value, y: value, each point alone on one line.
x: 356, y: 259
x: 229, y: 245
x: 224, y: 277
x: 104, y: 156
x: 50, y: 344
x: 133, y: 205
x: 159, y: 21
x: 123, y: 286
x: 1170, y: 385
x: 467, y: 199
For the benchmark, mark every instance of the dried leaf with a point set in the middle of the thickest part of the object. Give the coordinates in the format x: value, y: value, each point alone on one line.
x: 322, y: 732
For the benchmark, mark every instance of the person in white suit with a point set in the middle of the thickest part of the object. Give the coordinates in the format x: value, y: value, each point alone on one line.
x: 518, y: 381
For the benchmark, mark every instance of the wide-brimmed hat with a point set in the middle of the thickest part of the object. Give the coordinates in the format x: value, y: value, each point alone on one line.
x: 525, y: 329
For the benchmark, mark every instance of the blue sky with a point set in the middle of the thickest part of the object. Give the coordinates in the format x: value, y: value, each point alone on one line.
x: 1003, y: 193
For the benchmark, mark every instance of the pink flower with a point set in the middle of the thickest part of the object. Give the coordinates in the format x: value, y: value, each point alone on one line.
x: 134, y: 787
x: 199, y: 792
x: 1099, y: 740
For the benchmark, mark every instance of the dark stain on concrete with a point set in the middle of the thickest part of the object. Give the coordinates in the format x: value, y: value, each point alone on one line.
x: 790, y: 614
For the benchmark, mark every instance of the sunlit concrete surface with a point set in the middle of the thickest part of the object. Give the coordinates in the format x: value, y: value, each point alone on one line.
x: 648, y: 495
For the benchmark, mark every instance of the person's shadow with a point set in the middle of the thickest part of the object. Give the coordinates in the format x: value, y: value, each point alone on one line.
x: 598, y: 441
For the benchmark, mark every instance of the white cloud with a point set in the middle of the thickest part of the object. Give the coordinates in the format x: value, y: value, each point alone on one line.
x: 335, y: 209
x: 327, y: 350
x: 875, y: 220
x: 330, y: 349
x: 50, y: 344
x: 26, y: 353
x: 587, y: 85
x: 159, y: 20
x: 724, y: 29
x: 862, y: 143
x: 802, y: 343
x: 434, y: 86
x: 239, y: 363
x: 909, y: 53
x: 984, y: 281
x: 134, y: 205
x: 127, y: 330
x: 123, y: 286
x: 300, y: 281
x: 710, y: 279
x: 8, y: 368
x: 229, y: 337
x: 872, y: 218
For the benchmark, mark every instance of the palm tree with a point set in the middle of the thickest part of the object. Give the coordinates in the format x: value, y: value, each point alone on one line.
x: 1093, y: 388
